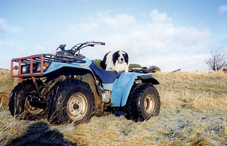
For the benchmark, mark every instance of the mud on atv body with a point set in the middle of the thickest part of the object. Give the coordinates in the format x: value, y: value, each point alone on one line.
x: 67, y: 87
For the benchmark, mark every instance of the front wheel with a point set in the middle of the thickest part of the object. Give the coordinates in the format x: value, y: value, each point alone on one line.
x: 143, y: 103
x: 70, y: 101
x: 19, y: 105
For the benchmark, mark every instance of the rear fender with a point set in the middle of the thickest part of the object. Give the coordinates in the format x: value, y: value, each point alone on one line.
x: 123, y: 85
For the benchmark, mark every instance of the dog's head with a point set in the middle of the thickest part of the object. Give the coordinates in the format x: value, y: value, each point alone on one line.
x: 120, y: 57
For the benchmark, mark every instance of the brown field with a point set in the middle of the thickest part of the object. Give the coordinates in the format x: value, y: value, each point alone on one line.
x: 193, y: 112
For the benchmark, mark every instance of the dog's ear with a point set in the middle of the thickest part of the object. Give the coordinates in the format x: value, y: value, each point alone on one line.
x: 126, y: 57
x: 103, y: 62
x: 115, y: 57
x: 103, y: 65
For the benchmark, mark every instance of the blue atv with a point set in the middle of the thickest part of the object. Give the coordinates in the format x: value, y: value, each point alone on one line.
x: 67, y: 87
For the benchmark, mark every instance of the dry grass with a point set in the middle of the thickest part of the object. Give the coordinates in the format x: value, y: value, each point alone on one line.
x: 6, y: 85
x: 193, y: 112
x: 199, y: 90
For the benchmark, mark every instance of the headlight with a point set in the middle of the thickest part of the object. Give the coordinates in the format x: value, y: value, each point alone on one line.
x: 25, y: 69
x: 38, y: 68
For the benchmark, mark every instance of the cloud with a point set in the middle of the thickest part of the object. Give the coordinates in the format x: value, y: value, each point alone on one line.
x: 39, y: 48
x: 10, y: 46
x: 190, y: 36
x: 223, y: 9
x: 89, y: 26
x: 159, y: 17
x: 155, y: 41
x: 185, y: 63
x: 161, y: 33
x: 117, y: 21
x: 9, y: 50
x: 5, y: 28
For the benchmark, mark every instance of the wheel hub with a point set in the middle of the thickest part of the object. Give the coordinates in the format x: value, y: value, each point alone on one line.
x: 149, y: 104
x: 77, y: 106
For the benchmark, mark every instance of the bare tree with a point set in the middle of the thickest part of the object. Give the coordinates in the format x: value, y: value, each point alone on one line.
x: 217, y: 60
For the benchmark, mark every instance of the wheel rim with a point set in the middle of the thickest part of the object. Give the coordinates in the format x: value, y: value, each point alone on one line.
x: 77, y: 106
x: 31, y: 109
x: 149, y: 104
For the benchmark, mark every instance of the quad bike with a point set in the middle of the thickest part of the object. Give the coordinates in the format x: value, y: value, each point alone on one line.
x: 67, y: 87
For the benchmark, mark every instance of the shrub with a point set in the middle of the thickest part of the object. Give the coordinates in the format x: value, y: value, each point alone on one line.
x: 134, y: 66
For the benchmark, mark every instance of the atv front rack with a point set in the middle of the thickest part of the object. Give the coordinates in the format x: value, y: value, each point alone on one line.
x: 34, y: 66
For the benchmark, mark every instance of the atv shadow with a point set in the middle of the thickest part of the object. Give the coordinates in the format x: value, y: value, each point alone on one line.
x: 39, y: 134
x: 119, y: 113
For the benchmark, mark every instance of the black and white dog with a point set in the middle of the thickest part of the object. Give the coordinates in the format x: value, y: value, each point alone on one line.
x: 115, y: 61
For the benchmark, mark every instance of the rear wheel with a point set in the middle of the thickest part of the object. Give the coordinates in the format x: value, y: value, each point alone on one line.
x: 143, y: 103
x: 19, y: 105
x: 70, y: 101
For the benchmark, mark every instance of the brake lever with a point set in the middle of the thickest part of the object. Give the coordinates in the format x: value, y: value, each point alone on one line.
x: 102, y: 43
x: 62, y: 47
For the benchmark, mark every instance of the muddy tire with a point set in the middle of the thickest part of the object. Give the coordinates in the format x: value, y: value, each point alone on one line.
x: 20, y: 107
x: 143, y: 103
x: 70, y: 101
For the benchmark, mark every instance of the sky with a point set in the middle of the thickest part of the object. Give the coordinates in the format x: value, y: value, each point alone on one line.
x: 170, y: 34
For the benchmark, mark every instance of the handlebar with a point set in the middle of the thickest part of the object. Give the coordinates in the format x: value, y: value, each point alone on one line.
x: 80, y: 46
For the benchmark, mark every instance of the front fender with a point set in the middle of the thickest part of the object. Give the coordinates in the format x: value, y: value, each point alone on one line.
x: 122, y: 86
x: 58, y: 65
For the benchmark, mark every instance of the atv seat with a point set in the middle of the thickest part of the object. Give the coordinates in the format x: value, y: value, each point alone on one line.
x: 104, y: 75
